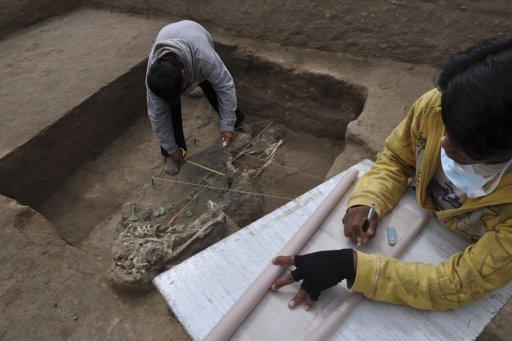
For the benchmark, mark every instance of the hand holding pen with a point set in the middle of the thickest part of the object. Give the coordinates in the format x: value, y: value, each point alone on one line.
x: 366, y: 224
x: 360, y: 223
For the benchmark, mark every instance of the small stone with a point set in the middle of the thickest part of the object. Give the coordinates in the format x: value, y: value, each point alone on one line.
x: 132, y: 212
x: 160, y: 211
x: 75, y: 317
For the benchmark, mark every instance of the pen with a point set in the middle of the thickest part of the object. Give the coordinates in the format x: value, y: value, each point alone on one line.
x: 366, y: 224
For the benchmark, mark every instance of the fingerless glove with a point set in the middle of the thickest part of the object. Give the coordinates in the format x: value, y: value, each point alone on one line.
x: 321, y: 270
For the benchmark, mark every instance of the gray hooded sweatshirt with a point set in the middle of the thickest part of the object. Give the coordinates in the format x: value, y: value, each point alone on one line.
x: 194, y: 46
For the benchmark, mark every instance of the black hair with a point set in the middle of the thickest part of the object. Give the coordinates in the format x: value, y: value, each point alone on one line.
x: 164, y: 78
x: 476, y: 99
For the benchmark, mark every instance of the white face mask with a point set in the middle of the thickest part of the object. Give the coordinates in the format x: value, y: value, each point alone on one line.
x: 471, y: 179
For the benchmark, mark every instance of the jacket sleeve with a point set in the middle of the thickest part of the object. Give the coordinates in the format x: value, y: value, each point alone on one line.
x: 384, y: 184
x: 467, y: 276
x: 160, y: 117
x: 224, y: 87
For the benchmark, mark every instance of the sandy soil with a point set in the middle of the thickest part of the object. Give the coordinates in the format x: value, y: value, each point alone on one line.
x: 121, y: 174
x: 415, y: 31
x: 70, y: 86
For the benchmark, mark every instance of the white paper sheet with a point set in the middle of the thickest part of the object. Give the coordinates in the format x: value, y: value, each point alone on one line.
x: 201, y: 289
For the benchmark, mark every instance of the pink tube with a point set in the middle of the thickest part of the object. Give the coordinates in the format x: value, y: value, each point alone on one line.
x: 334, y: 320
x: 250, y: 298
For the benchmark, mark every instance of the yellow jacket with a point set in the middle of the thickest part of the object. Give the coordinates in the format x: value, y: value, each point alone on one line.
x: 413, y: 149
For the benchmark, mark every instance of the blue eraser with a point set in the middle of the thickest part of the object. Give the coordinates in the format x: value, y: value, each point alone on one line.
x: 392, y: 237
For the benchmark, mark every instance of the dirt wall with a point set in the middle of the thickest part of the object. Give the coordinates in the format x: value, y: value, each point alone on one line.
x: 52, y: 291
x: 414, y: 31
x: 31, y: 172
x: 318, y: 104
x: 15, y: 14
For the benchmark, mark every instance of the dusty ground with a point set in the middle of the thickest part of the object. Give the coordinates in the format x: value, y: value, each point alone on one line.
x: 65, y: 56
x: 55, y: 282
x: 413, y: 31
x: 121, y: 174
x: 52, y: 291
x: 70, y: 85
x: 21, y: 13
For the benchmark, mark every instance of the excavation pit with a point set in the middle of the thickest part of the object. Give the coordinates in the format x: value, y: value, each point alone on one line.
x: 306, y: 112
x: 76, y: 144
x: 90, y: 151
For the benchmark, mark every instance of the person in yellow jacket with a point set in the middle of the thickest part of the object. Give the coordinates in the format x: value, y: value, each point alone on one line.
x: 456, y: 144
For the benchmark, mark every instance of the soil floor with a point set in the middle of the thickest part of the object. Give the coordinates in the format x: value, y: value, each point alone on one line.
x: 121, y: 174
x: 51, y: 67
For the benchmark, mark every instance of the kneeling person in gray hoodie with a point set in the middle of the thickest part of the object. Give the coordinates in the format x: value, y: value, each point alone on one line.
x: 182, y: 58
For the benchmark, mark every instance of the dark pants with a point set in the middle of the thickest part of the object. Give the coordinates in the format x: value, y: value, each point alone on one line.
x: 176, y: 120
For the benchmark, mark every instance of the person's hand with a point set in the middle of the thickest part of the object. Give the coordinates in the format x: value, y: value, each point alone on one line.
x: 318, y: 271
x: 177, y: 156
x: 227, y: 138
x: 353, y: 224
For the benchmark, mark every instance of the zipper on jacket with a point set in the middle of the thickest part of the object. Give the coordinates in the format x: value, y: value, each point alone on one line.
x: 423, y: 186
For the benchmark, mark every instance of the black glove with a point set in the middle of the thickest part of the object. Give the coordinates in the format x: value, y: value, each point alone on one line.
x: 321, y: 270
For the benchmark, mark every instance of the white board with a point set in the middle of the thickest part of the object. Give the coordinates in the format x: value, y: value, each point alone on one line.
x: 201, y: 289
